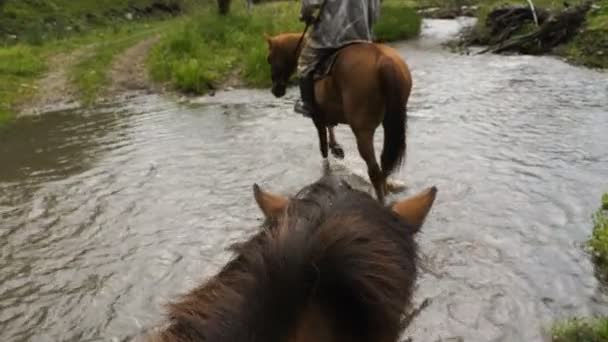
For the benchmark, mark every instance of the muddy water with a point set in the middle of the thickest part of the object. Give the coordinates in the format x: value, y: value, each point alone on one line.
x: 106, y: 214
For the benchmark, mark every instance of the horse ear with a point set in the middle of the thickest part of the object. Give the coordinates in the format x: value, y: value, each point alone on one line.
x: 415, y: 209
x: 271, y: 205
x: 268, y: 40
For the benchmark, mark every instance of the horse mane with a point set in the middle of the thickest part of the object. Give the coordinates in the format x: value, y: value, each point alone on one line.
x: 334, y: 247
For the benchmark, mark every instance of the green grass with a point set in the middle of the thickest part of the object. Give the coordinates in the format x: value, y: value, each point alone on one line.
x: 90, y: 74
x: 590, y: 329
x: 20, y: 66
x: 206, y: 49
x: 31, y: 31
x: 590, y: 46
x: 581, y: 330
x: 35, y: 21
x: 599, y: 238
x: 397, y: 22
x: 203, y: 52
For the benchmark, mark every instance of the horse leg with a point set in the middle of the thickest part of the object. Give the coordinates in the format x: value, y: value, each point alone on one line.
x: 365, y: 144
x: 322, y: 132
x: 336, y: 149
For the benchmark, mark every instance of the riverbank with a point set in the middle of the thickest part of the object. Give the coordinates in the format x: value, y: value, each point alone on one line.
x: 68, y: 72
x: 581, y: 330
x: 588, y: 47
x: 38, y: 22
x: 599, y: 239
x: 60, y: 53
x: 590, y: 329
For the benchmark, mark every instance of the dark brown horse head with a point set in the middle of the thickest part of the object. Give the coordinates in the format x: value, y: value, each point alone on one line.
x: 330, y: 264
x: 283, y: 55
x: 413, y: 210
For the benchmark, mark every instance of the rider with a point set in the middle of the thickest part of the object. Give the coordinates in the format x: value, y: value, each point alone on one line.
x: 338, y: 23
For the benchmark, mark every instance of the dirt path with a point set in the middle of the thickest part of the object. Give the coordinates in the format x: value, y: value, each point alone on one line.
x: 55, y: 90
x: 128, y: 72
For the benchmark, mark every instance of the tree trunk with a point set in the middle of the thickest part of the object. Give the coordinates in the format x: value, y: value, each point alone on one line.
x: 224, y: 6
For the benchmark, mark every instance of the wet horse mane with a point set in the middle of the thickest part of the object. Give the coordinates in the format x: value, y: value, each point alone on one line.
x: 332, y: 265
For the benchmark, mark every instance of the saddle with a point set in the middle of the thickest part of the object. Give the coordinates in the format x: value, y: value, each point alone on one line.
x: 326, y: 64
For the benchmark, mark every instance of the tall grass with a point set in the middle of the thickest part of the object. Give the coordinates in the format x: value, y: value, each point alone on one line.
x: 599, y: 238
x: 205, y: 51
x: 19, y: 65
x: 581, y: 330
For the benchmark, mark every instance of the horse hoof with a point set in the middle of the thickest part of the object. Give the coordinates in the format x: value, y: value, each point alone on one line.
x: 393, y: 186
x: 337, y: 152
x: 325, y: 166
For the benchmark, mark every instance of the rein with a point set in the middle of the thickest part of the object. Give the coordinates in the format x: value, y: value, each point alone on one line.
x: 317, y: 19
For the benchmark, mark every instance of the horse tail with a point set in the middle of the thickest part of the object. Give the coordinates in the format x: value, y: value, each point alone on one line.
x: 395, y: 92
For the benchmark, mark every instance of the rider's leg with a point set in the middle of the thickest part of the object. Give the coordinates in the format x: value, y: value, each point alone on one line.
x: 307, y: 92
x: 306, y: 66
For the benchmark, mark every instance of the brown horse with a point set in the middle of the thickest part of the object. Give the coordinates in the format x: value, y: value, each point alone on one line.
x: 329, y: 265
x: 368, y: 85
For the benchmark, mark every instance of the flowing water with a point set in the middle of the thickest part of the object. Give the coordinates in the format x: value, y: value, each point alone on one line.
x: 108, y: 213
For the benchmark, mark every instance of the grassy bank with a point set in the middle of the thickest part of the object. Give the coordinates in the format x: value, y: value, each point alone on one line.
x: 590, y: 329
x: 34, y: 33
x: 589, y: 47
x: 581, y: 330
x: 22, y: 64
x: 36, y: 21
x: 90, y: 73
x: 599, y: 239
x: 208, y: 50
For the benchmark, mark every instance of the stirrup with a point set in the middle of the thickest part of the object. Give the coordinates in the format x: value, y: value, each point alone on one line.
x: 301, y: 108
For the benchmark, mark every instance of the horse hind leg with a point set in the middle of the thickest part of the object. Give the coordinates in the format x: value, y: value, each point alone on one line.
x: 365, y: 144
x: 334, y: 146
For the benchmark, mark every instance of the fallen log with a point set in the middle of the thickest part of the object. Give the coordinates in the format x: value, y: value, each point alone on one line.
x: 505, y: 21
x: 555, y: 29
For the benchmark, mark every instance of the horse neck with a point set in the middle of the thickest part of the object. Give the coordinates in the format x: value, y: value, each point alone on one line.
x: 293, y: 50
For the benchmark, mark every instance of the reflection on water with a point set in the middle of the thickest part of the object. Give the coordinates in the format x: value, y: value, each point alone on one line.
x: 108, y: 214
